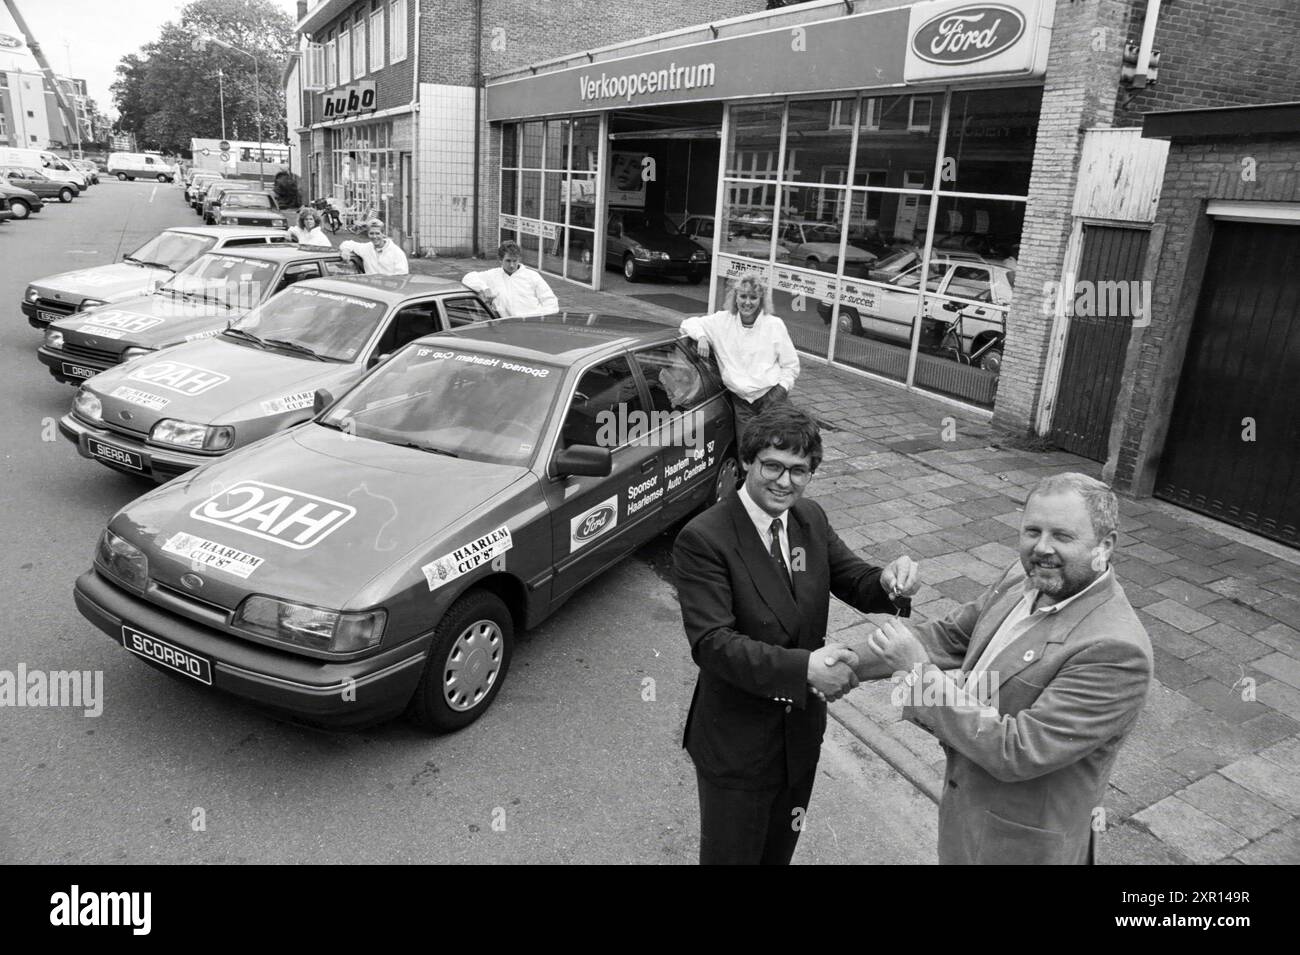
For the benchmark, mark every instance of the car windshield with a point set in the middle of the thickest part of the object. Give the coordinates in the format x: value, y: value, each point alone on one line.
x: 821, y: 233
x: 27, y: 173
x: 896, y: 259
x: 226, y: 279
x: 331, y: 325
x: 248, y: 200
x: 648, y: 222
x: 172, y: 250
x: 442, y: 398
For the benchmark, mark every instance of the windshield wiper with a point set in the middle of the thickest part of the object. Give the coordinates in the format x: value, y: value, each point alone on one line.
x: 424, y: 447
x: 295, y: 347
x: 155, y: 265
x: 240, y: 333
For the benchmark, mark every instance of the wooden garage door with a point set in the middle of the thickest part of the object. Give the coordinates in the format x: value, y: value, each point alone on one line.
x: 1241, y: 379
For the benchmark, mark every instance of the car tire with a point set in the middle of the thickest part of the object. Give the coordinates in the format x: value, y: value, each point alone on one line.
x: 851, y: 322
x: 991, y: 361
x: 20, y: 209
x: 122, y: 177
x: 812, y: 264
x: 474, y: 637
x: 728, y: 479
x: 66, y: 194
x: 695, y: 277
x: 631, y: 271
x: 162, y: 178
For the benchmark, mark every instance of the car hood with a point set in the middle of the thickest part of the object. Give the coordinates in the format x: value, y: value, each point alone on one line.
x: 18, y: 192
x: 215, y: 381
x: 148, y: 321
x: 676, y: 245
x: 112, y: 283
x: 375, y: 506
x: 832, y: 250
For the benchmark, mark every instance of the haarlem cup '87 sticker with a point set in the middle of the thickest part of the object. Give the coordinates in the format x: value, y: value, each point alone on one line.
x: 142, y: 398
x: 294, y: 402
x: 470, y: 557
x: 199, y: 551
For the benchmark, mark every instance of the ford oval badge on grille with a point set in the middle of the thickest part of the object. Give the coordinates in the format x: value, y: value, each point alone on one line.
x: 192, y: 582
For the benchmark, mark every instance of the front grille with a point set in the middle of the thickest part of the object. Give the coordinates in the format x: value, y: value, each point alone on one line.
x: 73, y: 350
x: 49, y: 305
x: 201, y: 609
x: 123, y: 430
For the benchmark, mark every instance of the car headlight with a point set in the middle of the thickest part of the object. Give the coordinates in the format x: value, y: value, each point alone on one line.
x: 31, y: 294
x: 194, y: 437
x: 90, y: 303
x: 122, y: 559
x: 88, y: 405
x: 312, y: 627
x: 135, y: 351
x: 700, y: 256
x: 227, y: 220
x: 53, y: 338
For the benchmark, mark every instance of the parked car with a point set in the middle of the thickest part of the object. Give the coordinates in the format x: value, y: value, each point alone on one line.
x: 50, y: 164
x: 644, y: 244
x: 741, y: 238
x: 217, y: 194
x: 33, y: 180
x: 199, y: 181
x: 201, y: 193
x: 251, y: 208
x: 140, y: 166
x: 87, y: 167
x: 5, y: 211
x: 161, y: 415
x: 887, y: 311
x: 21, y: 202
x: 398, y: 541
x: 197, y: 302
x: 56, y: 296
x: 816, y: 245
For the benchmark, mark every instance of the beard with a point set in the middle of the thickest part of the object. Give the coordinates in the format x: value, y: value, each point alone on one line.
x: 1056, y: 581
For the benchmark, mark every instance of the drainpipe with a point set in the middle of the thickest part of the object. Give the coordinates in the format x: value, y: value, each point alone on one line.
x: 478, y: 120
x: 412, y: 214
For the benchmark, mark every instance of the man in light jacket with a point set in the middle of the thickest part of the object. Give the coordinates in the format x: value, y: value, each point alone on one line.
x: 513, y: 288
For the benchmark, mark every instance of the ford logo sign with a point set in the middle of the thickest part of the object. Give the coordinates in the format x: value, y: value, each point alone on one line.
x: 10, y: 42
x: 192, y: 581
x: 968, y: 34
x: 594, y: 523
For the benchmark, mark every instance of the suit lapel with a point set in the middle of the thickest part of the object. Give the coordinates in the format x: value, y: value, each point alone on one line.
x: 988, y: 623
x: 806, y: 584
x: 762, y: 569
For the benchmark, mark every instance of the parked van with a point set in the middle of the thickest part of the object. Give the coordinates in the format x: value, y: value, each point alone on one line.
x: 55, y: 167
x: 140, y: 165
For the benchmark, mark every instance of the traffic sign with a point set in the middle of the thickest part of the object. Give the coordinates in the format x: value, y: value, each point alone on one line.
x: 207, y: 151
x: 224, y: 146
x: 225, y: 157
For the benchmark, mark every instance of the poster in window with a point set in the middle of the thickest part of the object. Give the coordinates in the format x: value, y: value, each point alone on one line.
x: 626, y: 187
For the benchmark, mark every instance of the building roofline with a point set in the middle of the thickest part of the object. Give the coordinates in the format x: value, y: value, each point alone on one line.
x: 1221, y: 121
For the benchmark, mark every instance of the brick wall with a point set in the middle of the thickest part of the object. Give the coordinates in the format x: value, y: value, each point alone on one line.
x: 1197, y: 170
x: 1217, y: 53
x: 393, y: 82
x: 1083, y: 71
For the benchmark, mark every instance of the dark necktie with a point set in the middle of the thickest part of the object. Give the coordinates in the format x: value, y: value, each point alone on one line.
x: 775, y: 530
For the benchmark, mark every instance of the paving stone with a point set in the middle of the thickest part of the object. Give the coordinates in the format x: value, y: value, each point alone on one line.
x: 1138, y: 572
x: 1139, y: 597
x: 1267, y: 729
x: 1284, y: 586
x: 1145, y: 779
x: 1246, y: 554
x: 1233, y: 642
x: 1119, y: 805
x: 1281, y: 637
x: 1187, y: 594
x: 1173, y: 672
x: 1130, y: 845
x: 1225, y: 670
x: 1277, y: 848
x: 1195, y: 834
x: 1193, y: 571
x: 999, y: 555
x: 914, y: 525
x: 1243, y: 590
x: 1170, y: 638
x: 962, y: 538
x: 1203, y: 538
x: 927, y: 545
x: 1234, y: 615
x: 961, y: 588
x: 1222, y: 700
x: 1174, y: 613
x: 1267, y: 779
x: 1280, y: 608
x: 1286, y: 754
x: 1282, y: 666
x: 1280, y: 696
x: 1233, y: 805
x: 1192, y: 553
x: 1195, y: 761
x: 1152, y: 555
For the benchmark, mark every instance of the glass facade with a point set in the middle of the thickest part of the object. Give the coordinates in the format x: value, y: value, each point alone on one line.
x: 548, y: 193
x: 889, y: 226
x: 365, y: 171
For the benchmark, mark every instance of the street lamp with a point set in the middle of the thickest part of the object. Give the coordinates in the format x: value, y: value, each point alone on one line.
x: 257, y: 101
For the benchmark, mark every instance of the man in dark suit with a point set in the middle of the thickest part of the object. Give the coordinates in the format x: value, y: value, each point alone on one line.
x: 754, y: 577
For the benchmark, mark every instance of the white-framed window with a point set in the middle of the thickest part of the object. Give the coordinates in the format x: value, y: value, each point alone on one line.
x: 396, y: 31
x: 345, y: 55
x: 313, y: 67
x: 331, y: 64
x: 359, y: 49
x: 376, y: 39
x: 920, y: 111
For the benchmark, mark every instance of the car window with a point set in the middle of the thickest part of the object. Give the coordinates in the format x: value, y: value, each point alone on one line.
x: 334, y: 325
x: 674, y: 381
x: 969, y: 281
x: 175, y: 250
x: 412, y: 322
x: 792, y: 234
x: 912, y: 277
x: 341, y: 267
x: 248, y: 200
x: 226, y: 279
x: 465, y: 311
x: 704, y: 228
x: 296, y: 273
x: 601, y: 393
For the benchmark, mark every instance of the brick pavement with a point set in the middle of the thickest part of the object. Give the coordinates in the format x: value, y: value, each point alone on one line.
x: 1211, y: 774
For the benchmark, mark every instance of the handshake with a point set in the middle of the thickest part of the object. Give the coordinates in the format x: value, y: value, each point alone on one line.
x: 838, y: 667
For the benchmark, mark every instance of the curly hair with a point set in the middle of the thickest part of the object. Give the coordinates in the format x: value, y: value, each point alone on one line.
x: 747, y: 281
x: 785, y: 428
x: 304, y: 212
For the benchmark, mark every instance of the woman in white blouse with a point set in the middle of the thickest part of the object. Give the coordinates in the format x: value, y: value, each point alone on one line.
x: 308, y: 230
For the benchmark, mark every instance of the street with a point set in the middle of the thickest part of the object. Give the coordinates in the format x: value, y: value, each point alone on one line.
x: 578, y: 760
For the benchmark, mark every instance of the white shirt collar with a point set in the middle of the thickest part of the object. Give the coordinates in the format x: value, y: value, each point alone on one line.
x: 1031, y: 594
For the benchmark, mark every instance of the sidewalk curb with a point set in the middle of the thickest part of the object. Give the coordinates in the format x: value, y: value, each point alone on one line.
x: 878, y: 740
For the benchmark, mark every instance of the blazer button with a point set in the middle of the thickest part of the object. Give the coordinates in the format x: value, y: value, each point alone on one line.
x: 952, y: 784
x: 789, y: 708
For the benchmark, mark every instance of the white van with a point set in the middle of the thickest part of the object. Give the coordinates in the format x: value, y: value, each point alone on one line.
x: 140, y: 165
x: 55, y: 167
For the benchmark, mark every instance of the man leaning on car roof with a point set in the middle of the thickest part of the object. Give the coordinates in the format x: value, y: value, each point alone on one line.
x: 513, y: 289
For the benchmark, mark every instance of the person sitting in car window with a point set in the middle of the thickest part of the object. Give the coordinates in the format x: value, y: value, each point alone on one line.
x: 308, y: 230
x: 381, y: 255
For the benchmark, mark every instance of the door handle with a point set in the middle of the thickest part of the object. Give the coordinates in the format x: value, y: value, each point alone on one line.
x: 649, y: 464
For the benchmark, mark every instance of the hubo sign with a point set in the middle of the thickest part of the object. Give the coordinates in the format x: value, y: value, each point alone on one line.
x: 351, y: 100
x: 949, y: 40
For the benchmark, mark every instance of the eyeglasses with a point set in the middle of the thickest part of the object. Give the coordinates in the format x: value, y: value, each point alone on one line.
x: 772, y: 471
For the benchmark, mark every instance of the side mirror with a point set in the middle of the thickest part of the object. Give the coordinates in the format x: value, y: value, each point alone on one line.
x: 376, y: 359
x: 953, y: 306
x: 321, y: 401
x: 585, y: 460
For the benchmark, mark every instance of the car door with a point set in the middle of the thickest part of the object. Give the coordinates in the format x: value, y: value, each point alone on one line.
x: 413, y: 320
x: 895, y: 306
x: 975, y: 282
x: 690, y: 423
x: 615, y: 245
x: 595, y: 521
x: 465, y: 310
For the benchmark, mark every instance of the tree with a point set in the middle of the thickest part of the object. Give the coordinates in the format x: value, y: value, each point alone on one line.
x: 167, y: 94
